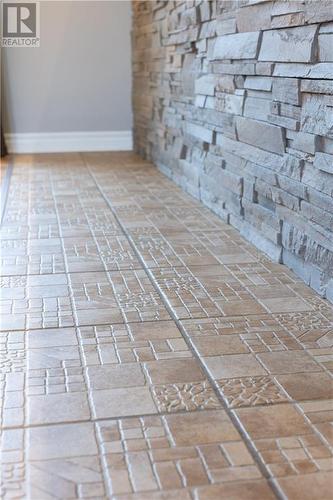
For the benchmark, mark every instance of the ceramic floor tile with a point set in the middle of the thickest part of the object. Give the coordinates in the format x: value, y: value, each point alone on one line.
x: 190, y: 250
x: 251, y: 490
x: 53, y: 382
x: 233, y: 366
x: 125, y: 343
x: 157, y: 386
x: 43, y: 256
x: 156, y: 251
x: 214, y: 346
x: 102, y: 394
x: 320, y: 415
x: 288, y: 362
x: 258, y: 333
x: 151, y: 453
x: 206, y: 296
x: 285, y: 441
x: 137, y: 298
x: 99, y: 254
x: 301, y: 387
x: 251, y: 391
x: 308, y: 486
x: 31, y: 231
x: 311, y: 328
x: 36, y: 301
x: 324, y: 357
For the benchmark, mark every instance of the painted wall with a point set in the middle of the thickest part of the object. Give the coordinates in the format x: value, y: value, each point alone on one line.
x: 80, y: 77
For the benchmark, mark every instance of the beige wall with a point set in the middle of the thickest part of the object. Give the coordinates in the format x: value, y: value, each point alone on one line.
x: 79, y: 79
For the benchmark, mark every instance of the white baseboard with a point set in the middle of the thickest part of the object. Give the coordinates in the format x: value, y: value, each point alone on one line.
x: 64, y: 142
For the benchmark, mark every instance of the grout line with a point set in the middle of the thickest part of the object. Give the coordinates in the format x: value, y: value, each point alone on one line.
x: 5, y: 190
x: 261, y: 465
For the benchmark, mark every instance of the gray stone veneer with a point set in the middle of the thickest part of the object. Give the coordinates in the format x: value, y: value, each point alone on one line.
x: 233, y: 100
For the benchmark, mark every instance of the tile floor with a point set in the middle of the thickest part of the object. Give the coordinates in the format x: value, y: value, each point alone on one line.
x: 147, y: 350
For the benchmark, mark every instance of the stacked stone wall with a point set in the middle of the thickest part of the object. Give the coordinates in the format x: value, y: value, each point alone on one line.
x: 233, y: 100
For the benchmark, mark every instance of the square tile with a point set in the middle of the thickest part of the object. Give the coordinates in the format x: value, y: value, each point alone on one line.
x: 111, y: 377
x: 213, y: 346
x: 288, y: 362
x: 201, y: 428
x: 301, y: 386
x: 122, y: 402
x: 55, y: 408
x: 233, y: 366
x: 307, y: 486
x: 173, y: 371
x: 273, y: 421
x: 185, y: 397
x: 251, y: 391
x: 164, y: 462
x: 160, y: 330
x: 52, y: 337
x: 61, y: 441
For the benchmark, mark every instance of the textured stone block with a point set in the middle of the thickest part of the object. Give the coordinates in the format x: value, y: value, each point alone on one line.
x: 202, y: 133
x: 229, y: 103
x: 325, y: 42
x: 257, y: 108
x: 317, y: 115
x: 258, y: 83
x: 225, y: 26
x: 317, y: 86
x: 205, y: 85
x: 260, y: 134
x: 286, y: 90
x: 324, y: 162
x: 238, y: 46
x: 304, y: 142
x: 254, y: 17
x: 289, y: 45
x: 320, y: 70
x: 317, y: 215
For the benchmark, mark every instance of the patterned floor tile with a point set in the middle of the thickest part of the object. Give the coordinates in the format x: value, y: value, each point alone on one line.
x: 88, y: 298
x: 99, y: 254
x: 52, y: 379
x: 137, y: 298
x: 31, y: 231
x: 35, y: 301
x: 43, y: 256
x: 251, y: 391
x: 155, y: 251
x: 307, y: 486
x: 102, y: 395
x: 319, y: 413
x: 130, y: 342
x: 258, y: 333
x: 189, y: 298
x: 251, y: 490
x: 279, y: 298
x: 311, y: 328
x: 288, y: 362
x: 153, y: 453
x: 286, y: 443
x: 301, y: 387
x: 233, y: 366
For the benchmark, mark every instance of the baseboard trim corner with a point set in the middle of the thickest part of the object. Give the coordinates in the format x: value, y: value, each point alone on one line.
x: 65, y: 142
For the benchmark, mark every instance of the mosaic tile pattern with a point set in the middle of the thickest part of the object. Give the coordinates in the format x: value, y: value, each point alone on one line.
x: 146, y: 350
